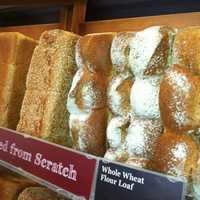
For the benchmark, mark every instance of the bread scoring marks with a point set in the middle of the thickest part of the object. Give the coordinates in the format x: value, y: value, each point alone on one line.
x: 116, y: 100
x: 142, y: 48
x: 145, y: 97
x: 178, y: 156
x: 142, y: 135
x: 120, y: 50
x: 181, y: 88
x: 116, y: 132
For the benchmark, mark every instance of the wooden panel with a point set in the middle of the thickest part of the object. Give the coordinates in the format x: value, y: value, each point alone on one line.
x: 79, y: 13
x: 35, y: 2
x: 135, y: 24
x: 33, y: 31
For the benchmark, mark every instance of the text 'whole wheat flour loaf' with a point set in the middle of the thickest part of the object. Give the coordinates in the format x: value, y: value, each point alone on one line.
x: 15, y: 55
x: 52, y: 68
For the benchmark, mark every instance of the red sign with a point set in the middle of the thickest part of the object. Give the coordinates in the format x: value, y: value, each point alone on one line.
x: 67, y: 169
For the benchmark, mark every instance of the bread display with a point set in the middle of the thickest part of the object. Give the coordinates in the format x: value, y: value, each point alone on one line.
x: 130, y: 97
x: 179, y: 99
x: 87, y: 99
x: 186, y: 48
x: 15, y: 56
x: 39, y: 193
x: 52, y: 67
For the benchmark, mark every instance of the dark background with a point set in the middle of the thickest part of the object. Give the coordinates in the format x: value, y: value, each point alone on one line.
x: 98, y: 10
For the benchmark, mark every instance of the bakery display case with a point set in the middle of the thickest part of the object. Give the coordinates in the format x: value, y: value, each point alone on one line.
x: 100, y: 109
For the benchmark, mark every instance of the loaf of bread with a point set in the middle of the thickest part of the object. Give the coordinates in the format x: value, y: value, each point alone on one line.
x: 15, y: 56
x: 39, y: 193
x: 52, y: 68
x: 87, y: 99
x: 150, y: 50
x: 175, y: 154
x: 179, y: 99
x: 186, y: 48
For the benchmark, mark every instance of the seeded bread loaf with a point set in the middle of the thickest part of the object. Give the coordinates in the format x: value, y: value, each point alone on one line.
x: 52, y: 68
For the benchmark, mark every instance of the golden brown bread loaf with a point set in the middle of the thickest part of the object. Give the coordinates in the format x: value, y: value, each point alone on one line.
x: 179, y: 99
x: 186, y: 48
x: 87, y: 99
x: 44, y: 112
x: 15, y: 56
x: 175, y: 154
x: 39, y: 193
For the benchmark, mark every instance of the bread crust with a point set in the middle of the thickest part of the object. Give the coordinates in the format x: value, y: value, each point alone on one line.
x: 15, y: 56
x: 175, y: 154
x: 179, y: 99
x: 186, y: 48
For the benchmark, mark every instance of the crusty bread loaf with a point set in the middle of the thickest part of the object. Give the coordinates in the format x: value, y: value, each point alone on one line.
x: 87, y: 99
x: 39, y: 193
x: 186, y: 48
x: 179, y: 99
x: 44, y: 112
x: 15, y: 56
x: 175, y: 154
x: 150, y: 50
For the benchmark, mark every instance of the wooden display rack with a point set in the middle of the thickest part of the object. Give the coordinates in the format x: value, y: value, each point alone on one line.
x: 72, y: 18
